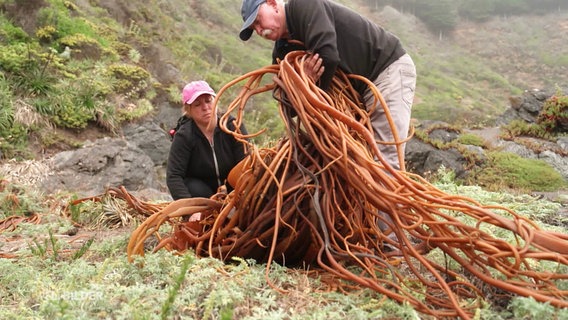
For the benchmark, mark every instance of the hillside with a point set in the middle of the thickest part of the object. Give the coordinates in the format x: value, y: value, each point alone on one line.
x: 468, y: 76
x: 465, y: 77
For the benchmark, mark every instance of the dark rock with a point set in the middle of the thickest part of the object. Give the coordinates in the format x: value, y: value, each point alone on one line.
x: 104, y: 163
x: 443, y: 135
x: 423, y: 159
x: 151, y: 138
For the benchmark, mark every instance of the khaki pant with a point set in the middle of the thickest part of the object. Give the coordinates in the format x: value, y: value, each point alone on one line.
x: 396, y: 84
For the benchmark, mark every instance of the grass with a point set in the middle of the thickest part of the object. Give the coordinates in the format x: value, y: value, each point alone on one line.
x: 209, y: 290
x: 87, y: 276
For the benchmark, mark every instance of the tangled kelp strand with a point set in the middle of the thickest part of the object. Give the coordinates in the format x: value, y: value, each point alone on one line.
x: 314, y: 199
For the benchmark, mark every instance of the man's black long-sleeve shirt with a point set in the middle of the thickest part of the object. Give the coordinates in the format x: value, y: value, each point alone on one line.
x: 341, y: 37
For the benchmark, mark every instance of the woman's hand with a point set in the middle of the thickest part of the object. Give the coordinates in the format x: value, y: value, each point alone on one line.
x: 313, y: 66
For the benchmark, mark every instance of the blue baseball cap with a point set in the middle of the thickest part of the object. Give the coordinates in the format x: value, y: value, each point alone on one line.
x: 249, y: 10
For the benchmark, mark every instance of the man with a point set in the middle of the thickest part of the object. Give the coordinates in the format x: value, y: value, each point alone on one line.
x: 341, y: 38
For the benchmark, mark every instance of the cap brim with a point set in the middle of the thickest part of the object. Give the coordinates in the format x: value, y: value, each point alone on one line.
x: 246, y: 31
x: 197, y: 95
x: 245, y: 34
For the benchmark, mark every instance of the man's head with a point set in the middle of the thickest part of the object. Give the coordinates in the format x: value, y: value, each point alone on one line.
x: 266, y: 17
x: 249, y: 11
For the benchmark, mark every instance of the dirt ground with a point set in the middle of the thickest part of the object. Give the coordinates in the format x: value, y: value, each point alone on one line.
x: 14, y: 245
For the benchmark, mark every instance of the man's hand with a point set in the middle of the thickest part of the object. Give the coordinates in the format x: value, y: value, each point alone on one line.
x: 313, y: 66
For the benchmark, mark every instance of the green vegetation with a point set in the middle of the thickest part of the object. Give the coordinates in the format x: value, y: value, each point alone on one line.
x: 6, y: 105
x: 78, y: 70
x: 87, y: 275
x: 68, y: 94
x: 79, y: 67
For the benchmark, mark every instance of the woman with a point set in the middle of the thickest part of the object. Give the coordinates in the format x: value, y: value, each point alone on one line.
x: 200, y: 158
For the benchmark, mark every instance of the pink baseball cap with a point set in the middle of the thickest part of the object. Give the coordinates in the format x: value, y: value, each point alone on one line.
x: 194, y: 89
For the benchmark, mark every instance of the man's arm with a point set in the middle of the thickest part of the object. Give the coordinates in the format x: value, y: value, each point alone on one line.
x: 312, y: 23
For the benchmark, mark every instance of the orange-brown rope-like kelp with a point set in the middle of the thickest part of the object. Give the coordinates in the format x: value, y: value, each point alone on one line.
x: 144, y: 208
x: 315, y: 199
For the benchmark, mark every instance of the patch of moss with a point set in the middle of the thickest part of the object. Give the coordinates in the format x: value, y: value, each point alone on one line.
x: 508, y: 170
x: 471, y: 139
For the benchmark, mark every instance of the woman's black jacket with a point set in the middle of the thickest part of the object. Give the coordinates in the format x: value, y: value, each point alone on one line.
x: 191, y: 156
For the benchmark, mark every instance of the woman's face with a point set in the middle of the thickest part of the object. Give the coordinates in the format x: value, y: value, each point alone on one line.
x: 201, y: 109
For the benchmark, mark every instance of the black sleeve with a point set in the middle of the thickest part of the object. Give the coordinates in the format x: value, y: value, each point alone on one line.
x: 178, y: 159
x: 314, y: 24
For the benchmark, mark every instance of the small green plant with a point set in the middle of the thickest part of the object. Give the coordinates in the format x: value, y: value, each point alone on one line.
x: 130, y: 79
x: 69, y: 114
x: 55, y: 246
x: 134, y: 55
x: 35, y: 80
x: 84, y: 213
x: 79, y: 253
x: 46, y: 34
x: 174, y: 290
x: 10, y: 34
x: 41, y: 249
x: 6, y: 108
x: 74, y: 209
